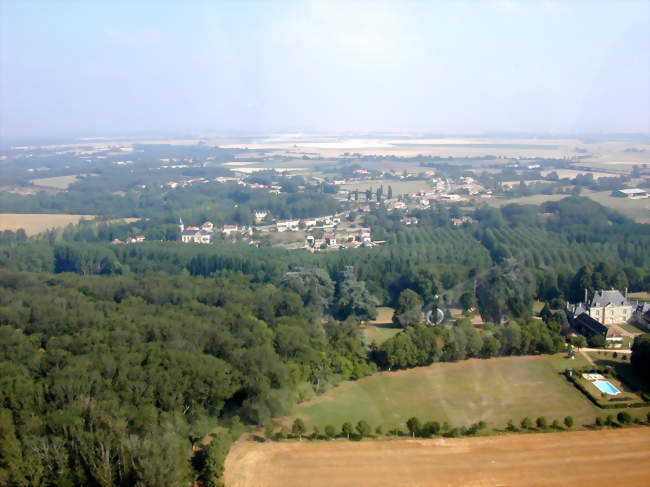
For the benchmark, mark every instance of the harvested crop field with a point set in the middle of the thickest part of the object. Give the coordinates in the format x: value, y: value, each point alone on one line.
x: 583, y: 458
x: 34, y: 223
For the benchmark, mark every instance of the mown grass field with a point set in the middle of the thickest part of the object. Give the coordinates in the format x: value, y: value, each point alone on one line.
x: 460, y: 393
x: 381, y: 329
x: 34, y: 223
x: 57, y: 182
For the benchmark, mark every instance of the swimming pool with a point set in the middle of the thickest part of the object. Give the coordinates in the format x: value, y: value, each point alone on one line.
x: 606, y: 387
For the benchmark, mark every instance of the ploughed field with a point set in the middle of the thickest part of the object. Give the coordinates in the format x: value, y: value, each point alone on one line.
x: 582, y: 458
x: 461, y: 393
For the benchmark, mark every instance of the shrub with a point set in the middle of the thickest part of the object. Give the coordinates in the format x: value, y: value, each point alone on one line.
x: 568, y: 421
x: 330, y: 431
x: 379, y: 430
x: 624, y: 417
x: 599, y: 421
x: 542, y: 423
x: 526, y: 423
x: 268, y: 431
x: 430, y: 428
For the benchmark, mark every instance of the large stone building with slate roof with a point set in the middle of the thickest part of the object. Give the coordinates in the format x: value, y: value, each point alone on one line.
x: 610, y: 307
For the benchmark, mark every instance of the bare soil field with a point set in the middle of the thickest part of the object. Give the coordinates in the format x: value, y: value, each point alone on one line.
x: 34, y: 223
x: 583, y: 458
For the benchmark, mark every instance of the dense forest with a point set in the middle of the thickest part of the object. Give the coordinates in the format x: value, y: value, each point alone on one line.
x: 109, y: 380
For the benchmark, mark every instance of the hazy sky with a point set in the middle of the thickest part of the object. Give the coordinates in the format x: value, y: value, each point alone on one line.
x: 111, y: 67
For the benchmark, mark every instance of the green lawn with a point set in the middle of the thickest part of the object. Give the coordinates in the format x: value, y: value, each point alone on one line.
x: 57, y: 182
x: 380, y: 333
x: 381, y: 329
x: 460, y: 393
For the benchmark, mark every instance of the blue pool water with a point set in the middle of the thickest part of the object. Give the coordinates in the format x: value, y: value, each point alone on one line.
x: 606, y: 387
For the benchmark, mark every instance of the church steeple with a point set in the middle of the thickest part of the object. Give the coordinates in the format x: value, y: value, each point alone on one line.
x: 180, y: 224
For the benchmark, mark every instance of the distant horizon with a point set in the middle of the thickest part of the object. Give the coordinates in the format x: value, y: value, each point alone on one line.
x: 62, y: 139
x: 102, y: 68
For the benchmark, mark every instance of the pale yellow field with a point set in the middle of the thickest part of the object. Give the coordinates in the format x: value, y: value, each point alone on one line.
x: 34, y: 223
x: 579, y: 459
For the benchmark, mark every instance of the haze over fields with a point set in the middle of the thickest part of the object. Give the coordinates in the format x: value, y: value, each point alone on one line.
x: 106, y: 68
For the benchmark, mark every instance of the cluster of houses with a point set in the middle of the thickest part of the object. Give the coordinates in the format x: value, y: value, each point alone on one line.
x: 205, y: 233
x: 596, y: 316
x: 355, y: 238
x: 295, y: 224
x: 128, y: 240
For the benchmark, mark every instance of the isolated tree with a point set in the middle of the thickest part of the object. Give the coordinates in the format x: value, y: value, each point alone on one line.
x: 346, y: 429
x: 414, y: 426
x: 541, y: 422
x: 555, y: 424
x: 408, y: 311
x: 298, y: 428
x: 363, y: 428
x: 568, y: 421
x: 390, y: 192
x: 578, y: 341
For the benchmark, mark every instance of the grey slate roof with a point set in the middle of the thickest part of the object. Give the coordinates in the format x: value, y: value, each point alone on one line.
x: 603, y: 298
x: 587, y: 326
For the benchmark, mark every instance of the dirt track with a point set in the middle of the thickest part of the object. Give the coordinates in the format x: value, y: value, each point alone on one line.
x: 584, y: 458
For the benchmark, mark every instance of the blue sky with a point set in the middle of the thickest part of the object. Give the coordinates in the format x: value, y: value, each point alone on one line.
x: 116, y: 68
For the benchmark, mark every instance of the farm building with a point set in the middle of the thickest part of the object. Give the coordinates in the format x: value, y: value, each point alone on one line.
x: 633, y: 193
x: 587, y: 326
